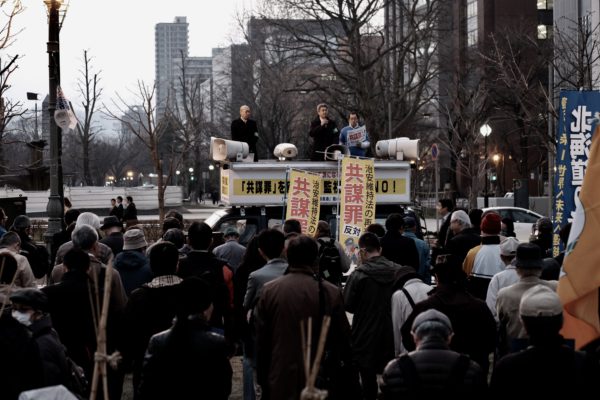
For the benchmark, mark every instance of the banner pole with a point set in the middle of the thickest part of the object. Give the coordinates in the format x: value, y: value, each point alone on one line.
x: 285, y: 190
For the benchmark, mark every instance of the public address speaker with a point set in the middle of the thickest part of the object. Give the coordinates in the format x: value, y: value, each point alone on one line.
x: 399, y: 149
x: 228, y: 150
x: 285, y: 150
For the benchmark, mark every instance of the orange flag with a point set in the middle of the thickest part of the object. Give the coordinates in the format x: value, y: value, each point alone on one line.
x: 579, y: 282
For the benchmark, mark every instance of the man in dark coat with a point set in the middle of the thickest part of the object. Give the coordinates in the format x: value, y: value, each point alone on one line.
x: 472, y: 321
x: 113, y: 234
x: 245, y: 129
x: 324, y: 132
x: 396, y: 247
x: 190, y: 360
x: 433, y: 370
x: 465, y: 236
x: 75, y: 312
x: 283, y: 304
x: 200, y: 262
x: 152, y: 307
x: 548, y: 367
x: 368, y: 295
x: 36, y: 255
x: 120, y: 210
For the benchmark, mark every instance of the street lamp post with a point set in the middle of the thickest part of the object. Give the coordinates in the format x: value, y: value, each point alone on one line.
x: 485, y: 130
x: 55, y: 200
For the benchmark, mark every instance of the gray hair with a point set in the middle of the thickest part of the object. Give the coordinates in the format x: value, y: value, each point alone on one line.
x: 9, y: 239
x: 432, y: 328
x: 84, y: 236
x: 321, y: 105
x: 88, y: 218
x: 462, y: 218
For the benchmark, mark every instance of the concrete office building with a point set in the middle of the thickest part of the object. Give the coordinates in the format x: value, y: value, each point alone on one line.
x: 171, y: 42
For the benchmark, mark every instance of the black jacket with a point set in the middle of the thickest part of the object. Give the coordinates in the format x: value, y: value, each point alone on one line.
x: 464, y: 241
x: 114, y: 241
x: 130, y: 212
x: 472, y: 321
x: 400, y: 249
x: 438, y: 373
x: 188, y: 361
x: 368, y: 295
x: 204, y: 264
x: 245, y: 132
x: 323, y: 136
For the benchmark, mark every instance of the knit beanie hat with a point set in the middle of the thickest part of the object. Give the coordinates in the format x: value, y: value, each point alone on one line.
x: 491, y: 224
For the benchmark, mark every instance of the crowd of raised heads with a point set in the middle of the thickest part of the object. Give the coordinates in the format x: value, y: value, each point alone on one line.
x: 474, y: 314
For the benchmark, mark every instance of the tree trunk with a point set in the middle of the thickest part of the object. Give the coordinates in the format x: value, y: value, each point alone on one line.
x: 87, y: 176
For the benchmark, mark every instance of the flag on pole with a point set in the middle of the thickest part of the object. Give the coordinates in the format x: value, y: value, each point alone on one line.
x: 579, y: 283
x: 63, y: 115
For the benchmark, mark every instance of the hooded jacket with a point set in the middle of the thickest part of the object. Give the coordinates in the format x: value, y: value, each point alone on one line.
x: 368, y: 295
x: 134, y: 268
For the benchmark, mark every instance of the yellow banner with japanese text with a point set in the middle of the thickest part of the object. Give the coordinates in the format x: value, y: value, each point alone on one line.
x: 304, y: 200
x: 357, y: 202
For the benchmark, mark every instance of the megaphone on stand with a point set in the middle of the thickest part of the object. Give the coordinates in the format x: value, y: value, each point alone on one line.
x: 399, y: 149
x: 228, y: 150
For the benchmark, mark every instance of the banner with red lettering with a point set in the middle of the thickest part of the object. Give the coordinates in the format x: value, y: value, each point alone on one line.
x: 357, y: 202
x: 304, y: 200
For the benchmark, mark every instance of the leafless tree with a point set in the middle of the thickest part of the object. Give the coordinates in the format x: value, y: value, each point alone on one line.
x: 577, y: 53
x: 466, y: 111
x: 148, y: 131
x: 518, y: 66
x: 353, y: 64
x: 90, y: 92
x: 9, y: 109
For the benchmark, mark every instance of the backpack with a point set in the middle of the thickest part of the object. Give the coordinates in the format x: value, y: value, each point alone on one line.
x: 330, y: 262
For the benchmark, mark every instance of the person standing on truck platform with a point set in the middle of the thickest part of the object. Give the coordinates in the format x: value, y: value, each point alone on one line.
x: 245, y: 129
x: 357, y: 146
x: 323, y: 131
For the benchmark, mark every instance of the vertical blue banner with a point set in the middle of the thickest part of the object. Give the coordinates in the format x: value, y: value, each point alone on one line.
x: 579, y: 113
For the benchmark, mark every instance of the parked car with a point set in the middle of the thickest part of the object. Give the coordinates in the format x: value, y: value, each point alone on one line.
x: 523, y: 218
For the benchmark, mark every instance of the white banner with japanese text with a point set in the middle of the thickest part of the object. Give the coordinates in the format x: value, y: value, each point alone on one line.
x: 357, y: 202
x: 304, y: 200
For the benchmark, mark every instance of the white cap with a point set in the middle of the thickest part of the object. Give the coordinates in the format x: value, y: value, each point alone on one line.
x: 540, y: 301
x: 508, y: 247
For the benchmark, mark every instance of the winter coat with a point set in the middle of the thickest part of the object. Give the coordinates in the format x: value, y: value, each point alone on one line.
x: 548, y: 372
x: 437, y: 375
x: 507, y: 307
x: 464, y: 241
x: 283, y: 304
x: 323, y: 136
x: 472, y: 322
x: 21, y: 365
x: 400, y: 249
x: 134, y: 268
x: 202, y: 263
x: 72, y: 308
x: 188, y: 361
x: 150, y: 310
x: 52, y: 352
x: 368, y: 295
x: 114, y: 241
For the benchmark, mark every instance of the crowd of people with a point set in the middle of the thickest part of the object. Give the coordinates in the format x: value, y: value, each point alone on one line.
x: 474, y: 315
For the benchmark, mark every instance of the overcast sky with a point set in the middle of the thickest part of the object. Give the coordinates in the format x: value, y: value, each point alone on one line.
x: 119, y: 35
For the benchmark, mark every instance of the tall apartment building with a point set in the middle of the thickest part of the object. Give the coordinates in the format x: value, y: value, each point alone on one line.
x: 171, y: 42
